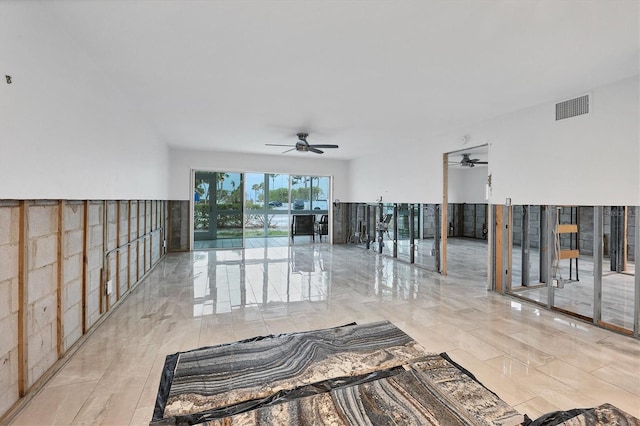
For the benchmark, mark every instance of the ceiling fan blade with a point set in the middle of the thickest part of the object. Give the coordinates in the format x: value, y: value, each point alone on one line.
x: 324, y: 146
x: 481, y: 162
x: 316, y: 150
x: 288, y: 150
x: 276, y: 144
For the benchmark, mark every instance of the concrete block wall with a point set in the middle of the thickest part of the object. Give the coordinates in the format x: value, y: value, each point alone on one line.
x: 52, y: 287
x: 72, y: 252
x: 123, y: 255
x: 133, y: 248
x: 340, y: 223
x: 95, y: 252
x: 631, y: 233
x: 429, y: 221
x: 42, y: 271
x: 111, y: 244
x: 179, y: 232
x: 467, y: 220
x: 148, y: 221
x: 158, y: 239
x: 9, y: 255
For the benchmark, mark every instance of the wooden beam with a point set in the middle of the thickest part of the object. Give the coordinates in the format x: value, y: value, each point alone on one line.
x: 22, y: 301
x: 569, y: 254
x: 60, y: 311
x: 499, y: 247
x: 567, y: 228
x: 444, y: 225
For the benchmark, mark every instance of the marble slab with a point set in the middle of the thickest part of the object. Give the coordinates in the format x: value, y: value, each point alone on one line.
x: 216, y: 377
x: 605, y: 414
x: 429, y: 392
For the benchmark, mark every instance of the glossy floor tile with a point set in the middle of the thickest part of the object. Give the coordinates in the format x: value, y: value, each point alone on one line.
x: 534, y: 359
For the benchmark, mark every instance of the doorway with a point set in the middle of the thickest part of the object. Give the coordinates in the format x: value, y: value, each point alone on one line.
x: 465, y: 215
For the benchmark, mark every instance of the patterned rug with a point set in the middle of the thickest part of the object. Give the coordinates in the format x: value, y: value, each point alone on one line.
x: 355, y: 374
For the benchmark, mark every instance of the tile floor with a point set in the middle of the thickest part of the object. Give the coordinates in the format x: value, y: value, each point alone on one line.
x: 534, y: 359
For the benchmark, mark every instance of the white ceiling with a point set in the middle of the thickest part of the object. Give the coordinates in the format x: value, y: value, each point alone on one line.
x: 234, y: 75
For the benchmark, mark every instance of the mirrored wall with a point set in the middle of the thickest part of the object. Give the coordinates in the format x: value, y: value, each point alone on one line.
x: 404, y: 231
x: 579, y: 260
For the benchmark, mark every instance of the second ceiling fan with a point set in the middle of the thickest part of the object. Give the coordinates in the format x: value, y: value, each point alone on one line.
x: 467, y: 161
x: 303, y: 146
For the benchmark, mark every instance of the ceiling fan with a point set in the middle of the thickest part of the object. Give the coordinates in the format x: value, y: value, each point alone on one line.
x: 303, y: 146
x: 467, y: 161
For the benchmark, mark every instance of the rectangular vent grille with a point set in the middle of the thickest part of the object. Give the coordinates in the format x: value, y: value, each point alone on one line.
x: 572, y: 107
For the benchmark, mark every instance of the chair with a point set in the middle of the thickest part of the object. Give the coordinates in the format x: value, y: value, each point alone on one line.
x: 323, y: 226
x: 303, y: 224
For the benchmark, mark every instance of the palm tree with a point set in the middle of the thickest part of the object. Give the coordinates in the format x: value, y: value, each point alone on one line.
x: 273, y: 179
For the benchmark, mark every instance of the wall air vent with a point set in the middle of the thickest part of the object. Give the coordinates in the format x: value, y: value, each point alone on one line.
x: 572, y: 107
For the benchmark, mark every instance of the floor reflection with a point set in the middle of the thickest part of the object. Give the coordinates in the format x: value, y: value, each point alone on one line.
x: 234, y: 279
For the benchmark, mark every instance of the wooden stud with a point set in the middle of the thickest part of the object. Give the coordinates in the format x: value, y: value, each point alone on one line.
x: 444, y: 225
x: 499, y: 247
x: 60, y: 312
x: 22, y: 302
x: 567, y: 228
x: 569, y: 254
x: 85, y: 264
x: 491, y: 270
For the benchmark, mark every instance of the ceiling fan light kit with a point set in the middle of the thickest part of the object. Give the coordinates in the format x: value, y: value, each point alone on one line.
x: 303, y: 146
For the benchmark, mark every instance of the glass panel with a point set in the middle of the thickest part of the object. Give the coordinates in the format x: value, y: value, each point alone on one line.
x: 300, y: 194
x: 403, y: 242
x: 218, y: 218
x: 466, y: 243
x: 387, y: 224
x: 574, y: 274
x: 526, y: 280
x: 202, y: 196
x: 359, y: 225
x: 278, y: 205
x: 320, y: 195
x: 310, y: 195
x: 427, y: 248
x: 256, y: 220
x: 618, y: 267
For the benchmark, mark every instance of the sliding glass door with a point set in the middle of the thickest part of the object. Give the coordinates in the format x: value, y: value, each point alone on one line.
x: 218, y: 210
x: 235, y: 210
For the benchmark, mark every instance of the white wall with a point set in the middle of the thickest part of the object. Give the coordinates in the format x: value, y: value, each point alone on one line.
x: 65, y: 129
x: 467, y: 185
x: 183, y: 161
x: 586, y: 160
